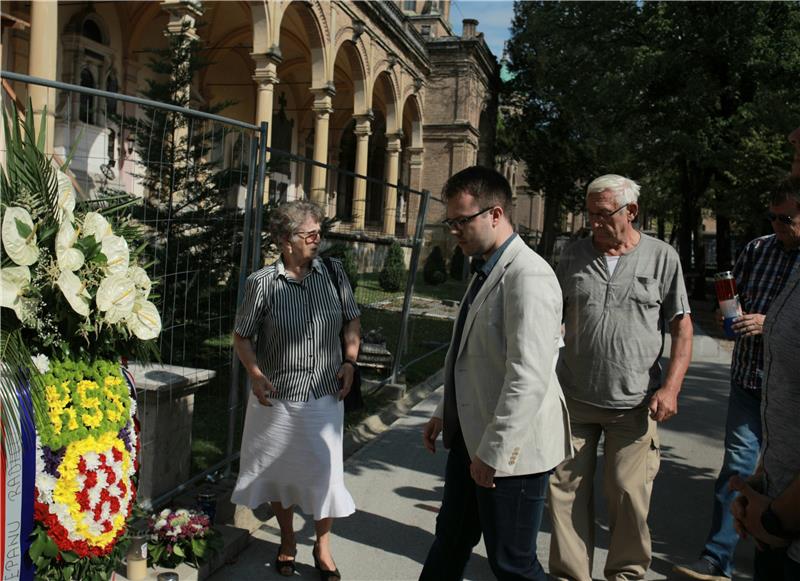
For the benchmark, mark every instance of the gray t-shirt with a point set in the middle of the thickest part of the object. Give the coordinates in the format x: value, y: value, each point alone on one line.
x: 780, y: 400
x: 615, y: 323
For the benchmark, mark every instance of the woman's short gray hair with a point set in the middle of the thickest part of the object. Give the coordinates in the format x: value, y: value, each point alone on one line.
x: 626, y: 191
x: 287, y: 218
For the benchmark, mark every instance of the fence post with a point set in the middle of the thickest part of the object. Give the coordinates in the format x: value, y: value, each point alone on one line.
x: 412, y: 277
x: 233, y: 393
x: 262, y: 174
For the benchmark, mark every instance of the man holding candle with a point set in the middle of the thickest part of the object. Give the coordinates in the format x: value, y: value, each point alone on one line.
x: 761, y: 272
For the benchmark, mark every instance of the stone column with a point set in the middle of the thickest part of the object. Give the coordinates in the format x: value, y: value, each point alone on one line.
x: 416, y: 155
x: 363, y: 130
x: 323, y: 107
x: 392, y: 173
x: 183, y: 16
x: 42, y: 63
x: 266, y: 77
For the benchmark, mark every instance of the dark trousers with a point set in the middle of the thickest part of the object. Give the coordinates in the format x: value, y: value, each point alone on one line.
x: 775, y: 565
x: 508, y: 516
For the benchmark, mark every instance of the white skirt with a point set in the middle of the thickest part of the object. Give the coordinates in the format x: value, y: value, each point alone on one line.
x: 292, y: 454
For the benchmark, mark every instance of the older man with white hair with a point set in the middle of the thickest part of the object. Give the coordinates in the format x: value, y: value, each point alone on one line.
x: 621, y: 290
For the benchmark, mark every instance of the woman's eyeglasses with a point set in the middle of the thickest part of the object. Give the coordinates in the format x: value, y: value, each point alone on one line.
x: 310, y: 236
x: 783, y: 218
x: 457, y: 223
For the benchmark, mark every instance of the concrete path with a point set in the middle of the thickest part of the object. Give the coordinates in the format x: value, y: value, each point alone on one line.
x: 397, y: 486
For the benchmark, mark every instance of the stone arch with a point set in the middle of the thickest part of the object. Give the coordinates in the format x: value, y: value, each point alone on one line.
x: 316, y: 31
x: 262, y: 31
x: 385, y: 88
x: 355, y: 53
x: 412, y: 120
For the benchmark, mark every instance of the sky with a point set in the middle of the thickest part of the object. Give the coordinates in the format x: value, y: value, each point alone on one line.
x: 493, y: 16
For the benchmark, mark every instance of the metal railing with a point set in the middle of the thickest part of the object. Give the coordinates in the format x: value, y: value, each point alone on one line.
x: 202, y: 248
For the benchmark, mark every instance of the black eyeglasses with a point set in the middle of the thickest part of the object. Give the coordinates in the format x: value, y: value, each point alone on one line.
x: 783, y: 218
x: 309, y: 236
x: 454, y: 223
x: 603, y: 216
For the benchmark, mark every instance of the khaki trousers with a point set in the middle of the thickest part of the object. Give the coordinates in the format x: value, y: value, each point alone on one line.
x: 632, y: 459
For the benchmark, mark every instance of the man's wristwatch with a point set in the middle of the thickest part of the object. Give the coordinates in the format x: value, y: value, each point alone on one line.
x: 351, y: 362
x: 772, y: 524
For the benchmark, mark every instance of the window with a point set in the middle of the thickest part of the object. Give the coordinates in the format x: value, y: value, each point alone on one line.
x: 410, y: 5
x: 86, y: 111
x: 91, y: 30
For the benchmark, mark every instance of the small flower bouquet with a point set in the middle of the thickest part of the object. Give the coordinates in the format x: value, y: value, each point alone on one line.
x: 181, y: 536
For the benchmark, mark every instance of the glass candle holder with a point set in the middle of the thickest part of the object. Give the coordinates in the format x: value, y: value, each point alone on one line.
x: 137, y: 559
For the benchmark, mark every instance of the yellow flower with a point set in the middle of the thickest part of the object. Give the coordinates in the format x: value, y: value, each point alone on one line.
x: 72, y: 424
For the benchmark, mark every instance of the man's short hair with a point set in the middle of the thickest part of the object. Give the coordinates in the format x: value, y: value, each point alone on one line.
x: 788, y: 189
x: 488, y: 186
x: 626, y: 191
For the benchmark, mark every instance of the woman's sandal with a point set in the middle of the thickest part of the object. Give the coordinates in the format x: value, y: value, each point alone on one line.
x: 285, y: 567
x: 323, y: 574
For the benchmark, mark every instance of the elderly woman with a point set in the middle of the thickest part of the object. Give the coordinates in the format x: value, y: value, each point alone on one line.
x: 298, y: 343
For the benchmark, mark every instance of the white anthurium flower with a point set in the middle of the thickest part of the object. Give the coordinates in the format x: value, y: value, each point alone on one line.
x: 20, y: 246
x: 15, y: 279
x: 96, y: 225
x: 116, y: 252
x: 115, y: 297
x: 66, y: 197
x: 69, y: 258
x: 139, y: 277
x: 74, y: 291
x: 144, y: 321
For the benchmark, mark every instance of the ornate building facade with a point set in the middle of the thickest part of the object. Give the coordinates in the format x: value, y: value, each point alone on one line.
x: 384, y: 89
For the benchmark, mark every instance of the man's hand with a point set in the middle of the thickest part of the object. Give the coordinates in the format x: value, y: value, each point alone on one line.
x: 345, y: 377
x: 663, y: 404
x: 747, y: 509
x: 749, y: 325
x: 262, y: 388
x: 429, y: 434
x: 481, y: 473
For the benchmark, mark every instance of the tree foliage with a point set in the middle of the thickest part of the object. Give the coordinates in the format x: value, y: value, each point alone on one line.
x: 393, y: 273
x: 434, y: 271
x: 693, y: 100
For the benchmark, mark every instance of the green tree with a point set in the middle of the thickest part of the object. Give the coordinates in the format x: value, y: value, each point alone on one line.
x: 434, y: 271
x: 691, y: 99
x: 393, y: 273
x: 457, y: 264
x: 195, y: 229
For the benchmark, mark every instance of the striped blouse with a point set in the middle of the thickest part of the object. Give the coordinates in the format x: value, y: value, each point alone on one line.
x: 296, y: 326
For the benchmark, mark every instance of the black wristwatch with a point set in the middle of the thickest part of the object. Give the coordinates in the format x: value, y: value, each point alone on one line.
x: 772, y: 524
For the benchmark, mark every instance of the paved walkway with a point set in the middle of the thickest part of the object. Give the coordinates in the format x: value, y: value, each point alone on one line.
x: 397, y: 486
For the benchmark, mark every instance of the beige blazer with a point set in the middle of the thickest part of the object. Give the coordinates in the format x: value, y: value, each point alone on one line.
x: 509, y: 403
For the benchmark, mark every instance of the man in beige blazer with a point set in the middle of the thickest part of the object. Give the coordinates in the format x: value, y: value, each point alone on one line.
x: 503, y: 412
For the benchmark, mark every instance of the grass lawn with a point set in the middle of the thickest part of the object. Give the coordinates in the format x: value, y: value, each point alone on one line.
x: 369, y: 291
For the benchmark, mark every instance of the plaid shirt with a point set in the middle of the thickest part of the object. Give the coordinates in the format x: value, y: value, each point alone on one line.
x: 761, y: 272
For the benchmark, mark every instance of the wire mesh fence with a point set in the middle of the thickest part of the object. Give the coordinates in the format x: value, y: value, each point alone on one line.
x: 202, y: 187
x: 188, y: 179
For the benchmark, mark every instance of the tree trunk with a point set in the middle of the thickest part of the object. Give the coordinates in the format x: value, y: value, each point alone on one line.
x: 550, y: 228
x: 662, y: 228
